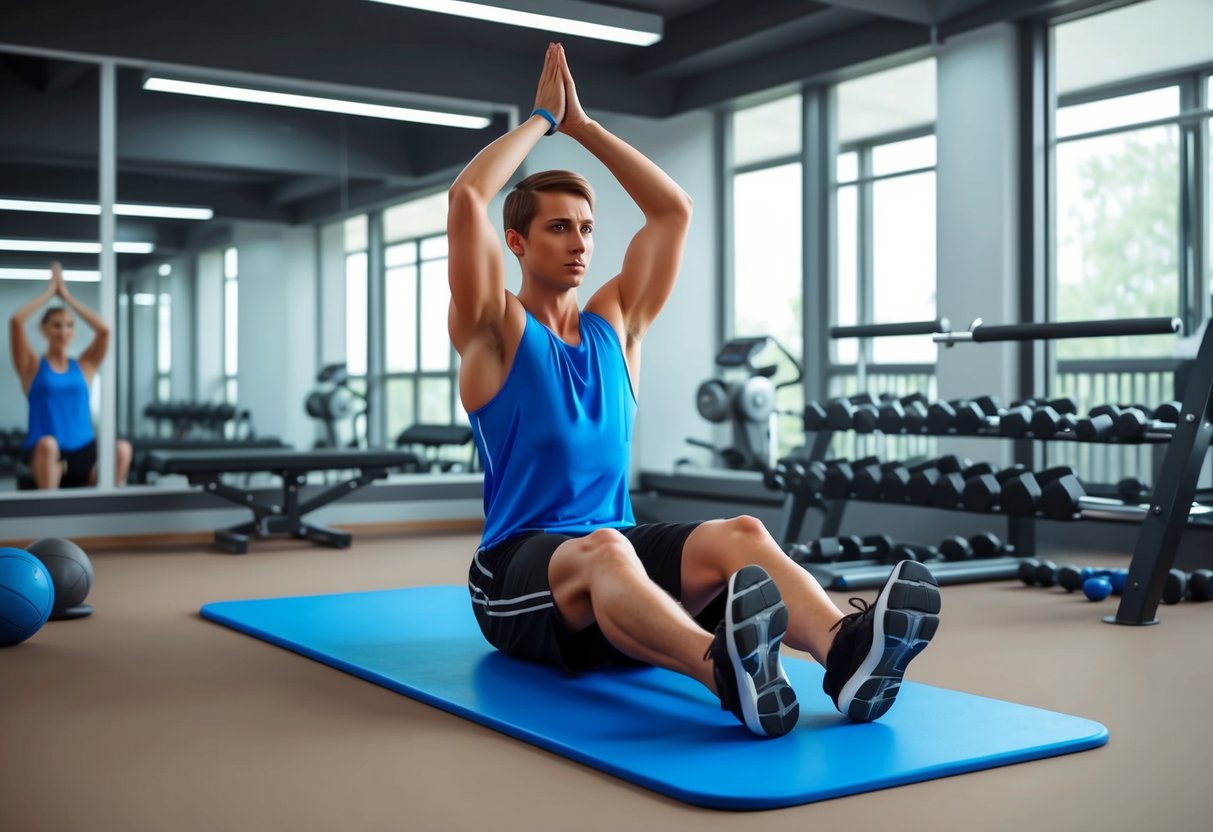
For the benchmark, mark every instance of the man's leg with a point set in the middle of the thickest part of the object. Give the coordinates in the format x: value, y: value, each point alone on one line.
x: 598, y: 579
x: 718, y: 548
x: 865, y: 653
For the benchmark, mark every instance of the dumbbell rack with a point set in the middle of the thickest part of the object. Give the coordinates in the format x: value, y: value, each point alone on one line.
x: 1171, y: 509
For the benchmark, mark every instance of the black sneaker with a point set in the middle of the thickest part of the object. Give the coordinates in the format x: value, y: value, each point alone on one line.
x: 873, y: 646
x: 745, y: 653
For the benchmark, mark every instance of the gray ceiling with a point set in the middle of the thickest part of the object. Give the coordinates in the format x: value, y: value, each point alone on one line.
x: 260, y: 162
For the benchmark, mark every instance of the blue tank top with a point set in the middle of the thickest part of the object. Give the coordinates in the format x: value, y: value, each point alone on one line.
x: 556, y: 439
x: 58, y: 407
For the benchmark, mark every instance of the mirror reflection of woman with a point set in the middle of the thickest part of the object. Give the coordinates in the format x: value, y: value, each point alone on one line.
x: 60, y: 445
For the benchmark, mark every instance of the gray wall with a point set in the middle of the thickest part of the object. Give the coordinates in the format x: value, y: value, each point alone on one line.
x: 277, y: 355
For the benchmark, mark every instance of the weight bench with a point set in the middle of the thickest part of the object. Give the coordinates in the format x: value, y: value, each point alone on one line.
x: 206, y: 468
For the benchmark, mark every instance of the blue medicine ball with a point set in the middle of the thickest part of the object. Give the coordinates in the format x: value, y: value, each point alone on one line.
x: 26, y: 595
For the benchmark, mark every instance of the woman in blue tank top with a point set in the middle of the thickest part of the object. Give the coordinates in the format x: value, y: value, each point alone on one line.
x: 60, y: 447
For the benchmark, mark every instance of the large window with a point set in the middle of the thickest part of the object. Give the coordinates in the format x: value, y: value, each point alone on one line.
x: 420, y: 365
x: 1131, y: 131
x: 885, y: 204
x: 767, y: 266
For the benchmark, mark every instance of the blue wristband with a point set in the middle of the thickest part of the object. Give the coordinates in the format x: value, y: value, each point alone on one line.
x: 539, y: 111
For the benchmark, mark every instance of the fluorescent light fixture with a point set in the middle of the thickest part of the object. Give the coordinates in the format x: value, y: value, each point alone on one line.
x: 74, y: 246
x: 157, y: 83
x: 168, y: 212
x: 566, y: 17
x: 75, y: 275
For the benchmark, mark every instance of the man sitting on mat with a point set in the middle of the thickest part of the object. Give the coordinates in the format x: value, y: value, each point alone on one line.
x: 564, y: 575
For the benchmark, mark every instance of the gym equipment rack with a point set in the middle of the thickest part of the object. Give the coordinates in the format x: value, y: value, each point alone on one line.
x: 1171, y: 508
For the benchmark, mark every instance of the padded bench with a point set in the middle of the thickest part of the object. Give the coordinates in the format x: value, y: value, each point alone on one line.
x: 206, y: 469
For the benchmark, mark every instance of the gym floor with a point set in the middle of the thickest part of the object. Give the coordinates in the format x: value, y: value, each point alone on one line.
x: 146, y: 717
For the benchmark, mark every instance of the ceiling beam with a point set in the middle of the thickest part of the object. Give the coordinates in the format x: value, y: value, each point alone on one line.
x: 819, y: 61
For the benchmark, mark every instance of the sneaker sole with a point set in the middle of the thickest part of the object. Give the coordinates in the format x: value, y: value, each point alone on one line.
x: 905, y: 621
x: 755, y: 621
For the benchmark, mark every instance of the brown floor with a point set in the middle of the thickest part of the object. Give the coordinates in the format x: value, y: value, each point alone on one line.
x: 146, y: 717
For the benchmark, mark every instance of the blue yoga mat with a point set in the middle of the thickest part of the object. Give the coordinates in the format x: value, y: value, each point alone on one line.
x: 650, y: 726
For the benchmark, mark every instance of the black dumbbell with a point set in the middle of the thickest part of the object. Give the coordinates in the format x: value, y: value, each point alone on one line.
x: 919, y: 487
x: 977, y: 414
x: 1046, y: 573
x: 866, y: 484
x: 984, y: 493
x: 1133, y: 425
x: 1069, y: 577
x: 955, y: 548
x: 874, y: 546
x: 892, y: 414
x: 840, y: 473
x: 840, y: 413
x: 1176, y: 587
x: 1021, y: 494
x: 988, y: 545
x: 1016, y: 420
x: 1047, y: 422
x: 1027, y: 571
x: 1060, y: 498
x: 948, y: 490
x: 1200, y: 585
x: 914, y: 552
x: 941, y: 417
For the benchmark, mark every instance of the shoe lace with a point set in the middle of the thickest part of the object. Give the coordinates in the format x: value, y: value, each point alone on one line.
x: 859, y: 604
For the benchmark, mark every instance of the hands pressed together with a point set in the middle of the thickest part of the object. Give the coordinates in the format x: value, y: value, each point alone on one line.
x: 58, y: 285
x: 557, y: 93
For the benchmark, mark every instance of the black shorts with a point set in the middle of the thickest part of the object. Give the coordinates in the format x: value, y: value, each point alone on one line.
x: 513, y: 603
x: 80, y: 464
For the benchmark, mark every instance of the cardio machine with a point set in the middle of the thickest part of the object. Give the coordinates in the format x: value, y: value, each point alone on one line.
x: 335, y: 402
x: 744, y: 395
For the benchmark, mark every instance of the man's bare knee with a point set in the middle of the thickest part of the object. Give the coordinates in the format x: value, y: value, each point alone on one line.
x: 47, y: 446
x: 609, y: 552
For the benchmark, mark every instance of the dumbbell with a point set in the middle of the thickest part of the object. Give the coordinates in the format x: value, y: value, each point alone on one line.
x: 892, y: 414
x: 840, y: 473
x: 989, y: 545
x: 942, y: 416
x: 846, y: 548
x: 1176, y: 587
x: 1100, y: 425
x: 974, y: 415
x: 866, y: 483
x: 1016, y: 420
x: 983, y: 545
x: 921, y: 482
x: 1023, y: 495
x: 1133, y: 424
x: 1027, y: 571
x: 948, y: 490
x: 1200, y: 585
x: 914, y: 552
x: 893, y: 482
x: 1070, y: 577
x: 1047, y: 422
x: 984, y: 492
x: 840, y: 413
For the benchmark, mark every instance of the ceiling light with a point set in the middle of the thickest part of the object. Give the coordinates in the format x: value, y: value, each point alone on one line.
x: 157, y: 83
x: 168, y: 212
x: 74, y: 246
x: 566, y: 17
x: 75, y: 275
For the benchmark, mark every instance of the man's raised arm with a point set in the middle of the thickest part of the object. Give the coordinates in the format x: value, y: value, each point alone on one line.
x: 476, y: 267
x: 650, y: 265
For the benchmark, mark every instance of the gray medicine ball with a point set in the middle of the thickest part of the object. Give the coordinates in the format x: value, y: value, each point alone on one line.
x: 71, y: 571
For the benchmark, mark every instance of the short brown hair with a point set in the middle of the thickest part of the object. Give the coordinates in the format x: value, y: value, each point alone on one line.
x: 52, y: 312
x: 521, y: 205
